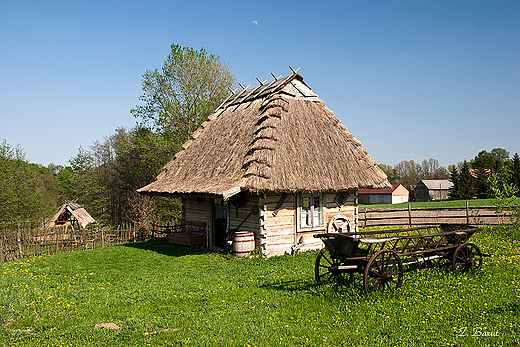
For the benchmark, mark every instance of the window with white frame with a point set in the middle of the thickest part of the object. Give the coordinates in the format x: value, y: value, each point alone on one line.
x: 311, y: 210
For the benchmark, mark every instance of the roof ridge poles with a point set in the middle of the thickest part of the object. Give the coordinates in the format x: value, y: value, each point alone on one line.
x: 229, y: 96
x: 294, y: 71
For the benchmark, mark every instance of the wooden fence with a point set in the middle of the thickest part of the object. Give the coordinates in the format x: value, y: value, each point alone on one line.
x: 35, y: 238
x: 421, y: 216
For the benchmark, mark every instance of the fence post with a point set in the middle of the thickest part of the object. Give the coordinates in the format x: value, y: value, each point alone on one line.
x: 102, y: 239
x: 410, y: 215
x: 467, y: 212
x: 57, y: 237
x: 365, y: 216
x: 1, y: 250
x: 19, y: 242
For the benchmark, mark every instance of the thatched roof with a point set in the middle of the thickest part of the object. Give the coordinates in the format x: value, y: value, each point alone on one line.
x: 278, y: 137
x: 72, y: 208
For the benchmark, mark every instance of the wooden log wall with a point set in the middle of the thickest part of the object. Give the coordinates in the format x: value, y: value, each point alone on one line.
x: 277, y: 223
x: 241, y: 215
x: 199, y: 210
x: 280, y: 231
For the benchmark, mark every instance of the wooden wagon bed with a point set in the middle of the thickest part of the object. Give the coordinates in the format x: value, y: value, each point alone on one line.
x: 380, y: 255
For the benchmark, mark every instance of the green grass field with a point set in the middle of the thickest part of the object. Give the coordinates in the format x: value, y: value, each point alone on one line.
x: 161, y: 295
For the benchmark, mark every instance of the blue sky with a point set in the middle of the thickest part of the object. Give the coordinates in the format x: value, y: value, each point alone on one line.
x: 412, y: 80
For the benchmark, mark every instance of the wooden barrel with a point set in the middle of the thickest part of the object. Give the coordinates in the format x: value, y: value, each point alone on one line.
x: 243, y: 243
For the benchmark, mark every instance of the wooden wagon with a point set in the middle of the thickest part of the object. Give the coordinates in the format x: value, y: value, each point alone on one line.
x: 381, y: 255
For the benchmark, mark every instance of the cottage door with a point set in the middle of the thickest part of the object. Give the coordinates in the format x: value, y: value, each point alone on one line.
x: 220, y: 223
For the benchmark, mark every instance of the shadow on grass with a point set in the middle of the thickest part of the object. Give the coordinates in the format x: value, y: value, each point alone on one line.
x: 162, y: 246
x: 337, y: 286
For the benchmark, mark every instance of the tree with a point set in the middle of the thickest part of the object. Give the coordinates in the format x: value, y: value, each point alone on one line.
x: 505, y: 192
x: 454, y: 178
x: 27, y: 191
x: 500, y: 154
x: 431, y: 170
x: 176, y: 99
x: 180, y: 96
x: 515, y: 172
x: 390, y: 172
x: 484, y: 165
x: 466, y: 182
x: 409, y: 173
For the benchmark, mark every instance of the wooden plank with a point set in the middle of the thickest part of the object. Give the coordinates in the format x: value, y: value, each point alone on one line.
x: 275, y: 198
x: 280, y: 220
x: 279, y: 233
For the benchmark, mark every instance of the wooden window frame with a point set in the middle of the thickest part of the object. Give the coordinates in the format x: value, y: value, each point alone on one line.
x: 312, y: 213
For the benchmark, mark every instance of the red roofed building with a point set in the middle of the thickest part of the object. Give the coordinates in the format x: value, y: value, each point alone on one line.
x: 396, y: 195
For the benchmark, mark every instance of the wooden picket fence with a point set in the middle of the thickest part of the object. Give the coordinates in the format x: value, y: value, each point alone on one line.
x: 34, y: 238
x: 424, y: 216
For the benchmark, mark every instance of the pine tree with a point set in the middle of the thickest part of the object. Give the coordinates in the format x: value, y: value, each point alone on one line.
x: 466, y: 186
x: 454, y: 178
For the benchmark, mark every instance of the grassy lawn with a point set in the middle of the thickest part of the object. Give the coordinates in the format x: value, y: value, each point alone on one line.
x: 435, y: 204
x: 160, y: 295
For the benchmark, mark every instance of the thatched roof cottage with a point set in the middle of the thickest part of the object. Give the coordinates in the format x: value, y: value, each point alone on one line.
x: 73, y: 213
x: 275, y: 161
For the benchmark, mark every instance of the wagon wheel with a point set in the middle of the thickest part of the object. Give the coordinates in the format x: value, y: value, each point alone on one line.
x: 384, y: 270
x: 466, y: 256
x: 339, y: 224
x: 325, y: 267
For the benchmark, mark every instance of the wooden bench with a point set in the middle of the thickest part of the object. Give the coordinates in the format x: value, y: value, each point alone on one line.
x: 191, y: 234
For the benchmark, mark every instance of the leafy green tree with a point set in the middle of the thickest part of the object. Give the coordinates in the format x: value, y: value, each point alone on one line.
x: 505, y: 192
x: 431, y: 170
x: 390, y: 172
x: 515, y: 172
x: 409, y: 173
x: 27, y: 191
x: 176, y: 99
x: 500, y: 155
x: 141, y: 158
x: 179, y: 97
x: 484, y: 165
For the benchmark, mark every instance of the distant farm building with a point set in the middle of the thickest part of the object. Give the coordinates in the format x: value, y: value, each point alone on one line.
x: 272, y: 165
x: 73, y: 214
x: 428, y: 190
x: 395, y: 195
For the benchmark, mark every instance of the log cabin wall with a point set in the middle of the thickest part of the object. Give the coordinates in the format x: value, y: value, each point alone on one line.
x: 280, y: 228
x: 241, y: 215
x: 349, y: 209
x: 277, y: 225
x: 199, y: 210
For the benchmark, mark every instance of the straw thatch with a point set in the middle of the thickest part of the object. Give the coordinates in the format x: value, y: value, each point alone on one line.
x: 72, y: 208
x: 278, y: 137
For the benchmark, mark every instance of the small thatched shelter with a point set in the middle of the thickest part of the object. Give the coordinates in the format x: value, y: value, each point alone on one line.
x: 273, y: 160
x: 73, y: 213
